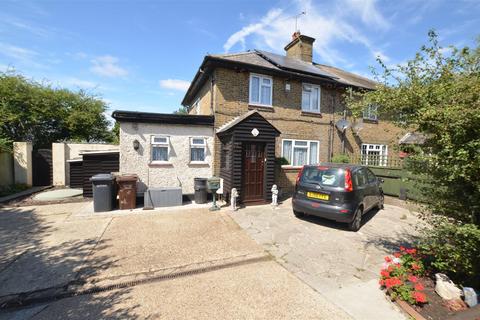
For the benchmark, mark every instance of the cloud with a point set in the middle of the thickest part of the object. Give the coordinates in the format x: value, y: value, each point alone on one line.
x: 175, y: 84
x: 107, y: 66
x: 331, y: 24
x: 84, y: 84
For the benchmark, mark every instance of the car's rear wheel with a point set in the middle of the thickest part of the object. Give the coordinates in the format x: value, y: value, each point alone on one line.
x: 298, y: 214
x: 357, y: 221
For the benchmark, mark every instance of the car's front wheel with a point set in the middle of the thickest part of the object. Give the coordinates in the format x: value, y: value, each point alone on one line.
x: 298, y: 214
x: 357, y: 221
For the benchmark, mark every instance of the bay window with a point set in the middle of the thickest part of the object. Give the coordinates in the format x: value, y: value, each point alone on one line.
x: 260, y: 92
x: 300, y: 152
x: 311, y: 98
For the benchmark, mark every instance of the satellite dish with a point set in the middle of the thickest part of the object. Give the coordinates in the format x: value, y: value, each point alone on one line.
x: 342, y: 124
x: 357, y: 126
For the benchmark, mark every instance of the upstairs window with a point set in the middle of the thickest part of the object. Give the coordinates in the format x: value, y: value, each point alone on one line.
x: 198, y: 148
x: 160, y: 148
x: 300, y: 152
x: 311, y: 98
x: 370, y: 112
x: 260, y: 90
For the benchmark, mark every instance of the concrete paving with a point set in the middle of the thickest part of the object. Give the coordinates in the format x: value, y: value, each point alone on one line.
x: 183, y: 263
x: 58, y: 194
x: 340, y: 264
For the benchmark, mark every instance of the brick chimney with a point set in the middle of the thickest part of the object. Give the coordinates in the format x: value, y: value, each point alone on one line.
x: 300, y: 47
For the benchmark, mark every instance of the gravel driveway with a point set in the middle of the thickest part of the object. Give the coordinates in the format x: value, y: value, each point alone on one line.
x: 341, y: 265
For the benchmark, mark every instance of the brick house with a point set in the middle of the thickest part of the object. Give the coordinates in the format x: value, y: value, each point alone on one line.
x: 270, y: 106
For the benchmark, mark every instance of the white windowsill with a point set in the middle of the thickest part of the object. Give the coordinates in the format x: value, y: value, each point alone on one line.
x: 289, y: 166
x: 198, y: 162
x: 160, y: 162
x: 253, y: 104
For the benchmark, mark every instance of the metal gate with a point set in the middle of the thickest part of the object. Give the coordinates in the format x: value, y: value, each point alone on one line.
x: 42, y: 167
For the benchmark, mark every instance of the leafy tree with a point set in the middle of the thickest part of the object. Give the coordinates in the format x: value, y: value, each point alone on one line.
x: 32, y: 111
x: 181, y: 110
x: 438, y: 94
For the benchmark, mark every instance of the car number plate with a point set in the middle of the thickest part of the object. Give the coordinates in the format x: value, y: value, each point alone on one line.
x: 316, y: 195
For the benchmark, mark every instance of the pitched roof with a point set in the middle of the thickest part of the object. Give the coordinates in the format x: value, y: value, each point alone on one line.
x: 232, y: 123
x: 263, y: 60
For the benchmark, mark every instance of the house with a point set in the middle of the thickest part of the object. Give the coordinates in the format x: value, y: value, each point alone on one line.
x: 269, y: 106
x: 165, y: 150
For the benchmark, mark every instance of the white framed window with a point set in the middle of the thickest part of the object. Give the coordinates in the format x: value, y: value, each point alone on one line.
x: 300, y: 152
x: 374, y: 154
x: 370, y: 112
x: 198, y: 149
x: 311, y: 95
x: 160, y: 148
x: 260, y: 91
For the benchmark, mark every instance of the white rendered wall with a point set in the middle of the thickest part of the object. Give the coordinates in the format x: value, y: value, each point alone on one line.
x: 179, y: 171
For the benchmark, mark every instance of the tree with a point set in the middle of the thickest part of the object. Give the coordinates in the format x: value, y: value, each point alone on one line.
x: 438, y: 94
x: 181, y: 110
x: 31, y: 111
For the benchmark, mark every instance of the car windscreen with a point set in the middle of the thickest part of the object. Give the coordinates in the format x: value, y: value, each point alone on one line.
x: 324, y: 176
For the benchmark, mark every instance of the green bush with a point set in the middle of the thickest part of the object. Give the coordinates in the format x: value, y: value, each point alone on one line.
x: 340, y: 158
x: 11, y: 189
x: 281, y: 161
x: 453, y: 249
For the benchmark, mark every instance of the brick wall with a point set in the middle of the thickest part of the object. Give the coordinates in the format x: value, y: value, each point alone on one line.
x: 231, y: 100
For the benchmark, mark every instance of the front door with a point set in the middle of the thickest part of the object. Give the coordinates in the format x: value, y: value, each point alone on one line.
x: 253, y: 168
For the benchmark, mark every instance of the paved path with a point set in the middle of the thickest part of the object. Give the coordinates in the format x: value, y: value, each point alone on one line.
x: 341, y: 265
x: 168, y: 264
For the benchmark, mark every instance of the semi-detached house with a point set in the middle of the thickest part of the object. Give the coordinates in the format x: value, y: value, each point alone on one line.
x: 268, y: 106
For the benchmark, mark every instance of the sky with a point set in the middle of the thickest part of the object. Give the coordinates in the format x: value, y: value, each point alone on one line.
x: 141, y: 55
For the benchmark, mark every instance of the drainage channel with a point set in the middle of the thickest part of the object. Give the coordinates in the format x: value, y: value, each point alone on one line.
x: 35, y: 298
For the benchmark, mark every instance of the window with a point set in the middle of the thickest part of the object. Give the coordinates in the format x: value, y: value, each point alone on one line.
x: 360, y: 178
x: 260, y: 90
x: 374, y: 154
x: 370, y: 112
x: 198, y: 148
x: 311, y: 98
x: 160, y: 148
x: 300, y: 152
x: 371, y: 177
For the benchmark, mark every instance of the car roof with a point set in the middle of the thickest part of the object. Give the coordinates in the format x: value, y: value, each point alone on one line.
x: 337, y: 165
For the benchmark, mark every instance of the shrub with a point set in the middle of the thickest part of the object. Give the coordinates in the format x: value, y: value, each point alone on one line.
x: 400, y: 275
x: 281, y: 161
x: 453, y: 249
x: 340, y: 158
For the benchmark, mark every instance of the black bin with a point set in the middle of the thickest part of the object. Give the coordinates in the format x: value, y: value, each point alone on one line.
x: 200, y: 186
x: 103, y: 192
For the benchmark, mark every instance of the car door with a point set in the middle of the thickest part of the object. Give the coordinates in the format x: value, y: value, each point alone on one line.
x: 373, y: 188
x: 362, y: 186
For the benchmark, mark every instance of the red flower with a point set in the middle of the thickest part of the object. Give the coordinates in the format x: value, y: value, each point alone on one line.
x: 411, y: 251
x: 392, y: 282
x: 415, y: 267
x: 419, y: 287
x: 385, y: 273
x: 397, y: 254
x: 413, y: 279
x: 388, y: 259
x: 402, y: 248
x: 381, y: 282
x: 419, y: 296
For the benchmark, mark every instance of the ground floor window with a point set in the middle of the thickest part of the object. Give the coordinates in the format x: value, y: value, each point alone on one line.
x: 198, y: 147
x: 160, y: 148
x: 374, y: 154
x: 300, y: 152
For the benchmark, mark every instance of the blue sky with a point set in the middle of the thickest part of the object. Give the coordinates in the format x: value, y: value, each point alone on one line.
x: 141, y: 55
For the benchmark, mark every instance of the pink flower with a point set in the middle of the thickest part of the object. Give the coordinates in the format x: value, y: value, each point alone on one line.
x: 412, y: 279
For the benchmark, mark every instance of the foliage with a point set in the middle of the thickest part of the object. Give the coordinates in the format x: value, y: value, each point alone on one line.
x: 182, y: 110
x: 11, y: 189
x: 453, y: 249
x: 400, y: 275
x: 5, y: 145
x: 340, y: 158
x: 281, y: 161
x: 116, y: 133
x: 32, y: 111
x: 438, y: 94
